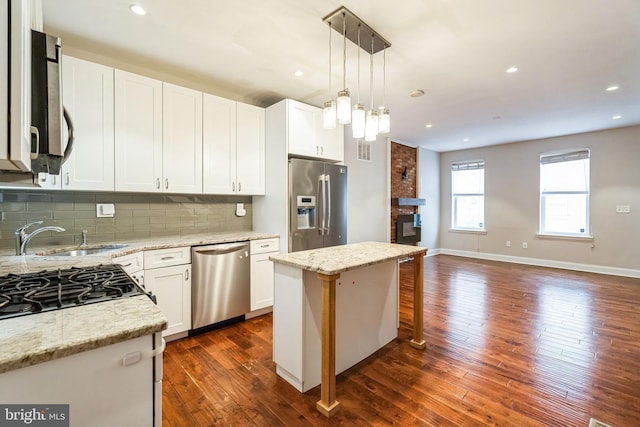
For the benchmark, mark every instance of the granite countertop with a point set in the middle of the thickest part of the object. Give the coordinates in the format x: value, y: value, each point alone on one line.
x: 36, y: 338
x: 338, y: 259
x: 18, y: 264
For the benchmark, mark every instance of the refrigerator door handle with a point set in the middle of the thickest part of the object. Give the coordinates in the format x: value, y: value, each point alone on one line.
x: 328, y: 181
x: 324, y: 204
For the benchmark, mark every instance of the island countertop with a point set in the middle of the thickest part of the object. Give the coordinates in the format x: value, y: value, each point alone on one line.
x: 338, y: 259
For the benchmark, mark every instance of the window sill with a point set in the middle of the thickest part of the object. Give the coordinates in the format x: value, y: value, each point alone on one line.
x: 467, y: 231
x: 565, y: 237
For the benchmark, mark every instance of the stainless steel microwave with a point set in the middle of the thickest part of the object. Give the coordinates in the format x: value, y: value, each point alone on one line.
x: 31, y: 111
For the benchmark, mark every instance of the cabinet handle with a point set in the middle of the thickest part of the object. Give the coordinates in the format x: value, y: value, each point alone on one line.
x: 166, y: 258
x: 158, y: 183
x: 66, y: 177
x: 239, y: 187
x: 322, y: 150
x: 53, y: 178
x: 166, y: 183
x: 186, y: 275
x: 264, y: 246
x: 233, y: 186
x: 127, y: 265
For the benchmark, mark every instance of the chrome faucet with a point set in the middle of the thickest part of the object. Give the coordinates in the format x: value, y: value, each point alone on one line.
x: 23, y: 238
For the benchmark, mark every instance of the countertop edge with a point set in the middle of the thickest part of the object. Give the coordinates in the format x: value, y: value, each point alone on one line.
x: 54, y: 353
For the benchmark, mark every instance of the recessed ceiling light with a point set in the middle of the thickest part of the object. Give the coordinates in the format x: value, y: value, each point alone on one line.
x: 428, y: 125
x: 512, y: 69
x: 137, y: 9
x: 466, y: 140
x: 416, y: 93
x: 612, y: 88
x: 616, y: 117
x: 298, y: 73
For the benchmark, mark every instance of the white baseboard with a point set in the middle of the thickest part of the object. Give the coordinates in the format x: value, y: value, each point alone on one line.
x: 433, y: 252
x: 602, y: 269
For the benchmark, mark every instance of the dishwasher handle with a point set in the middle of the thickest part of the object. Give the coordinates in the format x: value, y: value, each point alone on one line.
x: 221, y: 249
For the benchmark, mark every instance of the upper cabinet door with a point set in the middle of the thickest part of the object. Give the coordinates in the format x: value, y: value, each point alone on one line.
x: 181, y: 139
x: 219, y: 145
x: 138, y: 133
x: 88, y: 96
x: 250, y: 149
x: 307, y: 137
x: 302, y: 140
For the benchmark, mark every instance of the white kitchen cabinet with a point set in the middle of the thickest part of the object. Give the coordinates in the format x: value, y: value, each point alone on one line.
x: 167, y: 275
x: 138, y: 133
x: 262, y: 272
x: 233, y: 147
x: 250, y: 146
x: 181, y: 139
x: 307, y: 138
x: 88, y: 96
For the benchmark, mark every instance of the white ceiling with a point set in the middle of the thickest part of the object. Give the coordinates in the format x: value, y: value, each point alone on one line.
x: 568, y: 52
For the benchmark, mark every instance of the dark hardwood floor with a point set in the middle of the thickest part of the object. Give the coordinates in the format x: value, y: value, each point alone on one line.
x: 507, y: 345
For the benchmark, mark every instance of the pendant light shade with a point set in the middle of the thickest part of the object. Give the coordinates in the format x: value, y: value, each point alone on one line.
x: 344, y: 107
x: 329, y: 115
x: 371, y: 126
x: 384, y: 120
x: 358, y: 121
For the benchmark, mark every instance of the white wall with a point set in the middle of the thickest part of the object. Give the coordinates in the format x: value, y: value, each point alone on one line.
x: 512, y: 201
x: 429, y: 189
x: 368, y: 204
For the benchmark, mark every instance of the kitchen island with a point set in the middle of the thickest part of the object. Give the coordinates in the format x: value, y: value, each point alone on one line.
x: 342, y: 294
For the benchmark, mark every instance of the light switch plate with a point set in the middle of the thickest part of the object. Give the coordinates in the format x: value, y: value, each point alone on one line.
x: 105, y: 210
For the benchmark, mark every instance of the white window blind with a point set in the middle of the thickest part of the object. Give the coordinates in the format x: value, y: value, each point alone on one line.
x: 467, y: 195
x: 564, y: 193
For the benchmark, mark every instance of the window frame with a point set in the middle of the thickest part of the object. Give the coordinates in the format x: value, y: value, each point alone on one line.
x: 560, y: 157
x: 461, y: 166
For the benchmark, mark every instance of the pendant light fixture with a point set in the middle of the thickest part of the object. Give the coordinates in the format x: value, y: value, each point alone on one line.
x: 358, y: 113
x: 363, y: 123
x: 344, y: 97
x: 329, y: 110
x: 371, y: 122
x: 384, y: 118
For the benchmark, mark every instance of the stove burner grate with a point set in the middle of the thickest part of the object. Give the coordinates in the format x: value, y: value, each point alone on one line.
x: 62, y: 288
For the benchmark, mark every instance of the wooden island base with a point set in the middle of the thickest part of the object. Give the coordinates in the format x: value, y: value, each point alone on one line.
x: 328, y: 405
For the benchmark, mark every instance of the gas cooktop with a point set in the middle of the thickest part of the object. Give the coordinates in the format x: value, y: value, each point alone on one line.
x: 30, y: 293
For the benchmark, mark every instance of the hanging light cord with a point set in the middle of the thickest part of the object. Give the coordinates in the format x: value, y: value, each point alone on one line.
x: 358, y: 64
x: 384, y: 75
x: 371, y: 73
x: 330, y: 57
x: 344, y: 50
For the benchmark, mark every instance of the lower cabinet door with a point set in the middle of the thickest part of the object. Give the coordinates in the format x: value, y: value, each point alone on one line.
x: 261, y: 281
x: 172, y: 288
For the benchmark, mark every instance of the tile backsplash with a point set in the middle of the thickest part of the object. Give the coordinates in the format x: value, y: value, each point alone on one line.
x: 137, y: 215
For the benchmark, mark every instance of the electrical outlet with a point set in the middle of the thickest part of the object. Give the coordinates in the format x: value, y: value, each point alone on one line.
x: 524, y: 245
x: 623, y: 209
x: 508, y: 244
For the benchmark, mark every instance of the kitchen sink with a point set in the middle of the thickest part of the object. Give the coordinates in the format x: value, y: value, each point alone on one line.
x: 82, y: 251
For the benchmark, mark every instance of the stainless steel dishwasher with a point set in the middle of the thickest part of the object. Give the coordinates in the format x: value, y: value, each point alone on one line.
x: 221, y: 283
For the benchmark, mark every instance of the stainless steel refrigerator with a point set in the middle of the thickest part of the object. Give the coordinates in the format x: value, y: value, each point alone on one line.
x: 317, y: 204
